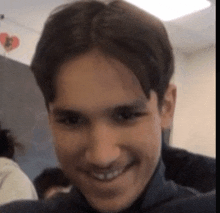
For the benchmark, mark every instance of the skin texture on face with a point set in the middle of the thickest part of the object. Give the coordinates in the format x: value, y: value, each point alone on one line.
x: 107, y: 134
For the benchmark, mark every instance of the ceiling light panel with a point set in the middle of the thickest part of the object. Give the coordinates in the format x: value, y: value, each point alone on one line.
x: 168, y: 10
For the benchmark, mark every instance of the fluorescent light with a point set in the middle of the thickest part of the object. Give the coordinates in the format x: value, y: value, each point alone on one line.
x: 168, y: 10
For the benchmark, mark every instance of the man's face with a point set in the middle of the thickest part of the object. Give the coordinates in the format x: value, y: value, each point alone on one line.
x: 107, y: 134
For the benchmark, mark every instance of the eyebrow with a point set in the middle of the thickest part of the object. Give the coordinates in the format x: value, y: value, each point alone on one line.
x: 60, y: 112
x: 136, y: 105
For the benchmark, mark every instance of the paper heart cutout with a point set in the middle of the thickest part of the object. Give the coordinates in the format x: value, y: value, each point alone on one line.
x: 9, y: 43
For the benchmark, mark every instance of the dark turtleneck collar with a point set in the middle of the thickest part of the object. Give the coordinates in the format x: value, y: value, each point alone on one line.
x: 156, y: 192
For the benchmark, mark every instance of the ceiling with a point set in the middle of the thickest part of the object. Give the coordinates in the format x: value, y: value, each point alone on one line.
x: 26, y: 18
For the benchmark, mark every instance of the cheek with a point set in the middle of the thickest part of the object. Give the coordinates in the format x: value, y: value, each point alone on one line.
x: 146, y: 138
x: 67, y: 144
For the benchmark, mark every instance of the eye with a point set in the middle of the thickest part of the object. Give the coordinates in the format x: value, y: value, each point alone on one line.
x: 71, y: 121
x: 128, y: 116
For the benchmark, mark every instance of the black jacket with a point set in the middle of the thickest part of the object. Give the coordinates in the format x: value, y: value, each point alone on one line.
x: 189, y: 169
x: 160, y: 196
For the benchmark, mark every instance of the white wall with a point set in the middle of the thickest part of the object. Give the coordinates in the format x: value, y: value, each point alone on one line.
x: 25, y: 19
x: 28, y: 40
x: 194, y: 122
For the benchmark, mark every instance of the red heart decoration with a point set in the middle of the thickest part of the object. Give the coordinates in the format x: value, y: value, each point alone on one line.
x: 9, y: 43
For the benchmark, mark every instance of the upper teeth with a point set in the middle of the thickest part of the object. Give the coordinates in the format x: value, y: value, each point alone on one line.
x: 107, y: 176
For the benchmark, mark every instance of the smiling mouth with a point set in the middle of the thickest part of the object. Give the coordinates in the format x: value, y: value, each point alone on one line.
x: 110, y: 175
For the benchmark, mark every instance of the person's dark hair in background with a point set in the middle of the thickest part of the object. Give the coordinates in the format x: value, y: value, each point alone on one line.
x: 8, y: 143
x: 14, y: 183
x: 49, y: 178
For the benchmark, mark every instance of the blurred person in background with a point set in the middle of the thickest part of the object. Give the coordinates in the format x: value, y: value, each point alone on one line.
x: 14, y: 183
x: 51, y: 182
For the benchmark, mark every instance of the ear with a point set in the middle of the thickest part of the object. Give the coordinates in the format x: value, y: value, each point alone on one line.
x: 168, y: 107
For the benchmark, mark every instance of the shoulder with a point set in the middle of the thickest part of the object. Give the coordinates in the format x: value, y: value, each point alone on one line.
x: 199, y: 203
x: 8, y: 166
x: 12, y: 171
x: 170, y: 154
x: 14, y: 183
x: 24, y: 207
x: 190, y: 169
x: 64, y: 203
x: 9, y: 170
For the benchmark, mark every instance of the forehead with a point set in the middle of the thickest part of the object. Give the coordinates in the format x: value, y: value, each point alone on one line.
x: 94, y: 80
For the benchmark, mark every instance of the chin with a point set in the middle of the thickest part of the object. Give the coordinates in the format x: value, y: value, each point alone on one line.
x: 110, y: 209
x: 112, y: 205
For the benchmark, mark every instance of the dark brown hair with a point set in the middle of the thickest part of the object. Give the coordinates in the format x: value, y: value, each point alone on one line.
x: 8, y: 144
x: 118, y: 29
x: 48, y: 178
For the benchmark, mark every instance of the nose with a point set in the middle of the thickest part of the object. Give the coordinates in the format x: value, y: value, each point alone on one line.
x: 103, y: 148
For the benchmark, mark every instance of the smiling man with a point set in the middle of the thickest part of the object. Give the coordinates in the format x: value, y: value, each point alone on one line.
x: 107, y: 142
x: 104, y: 70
